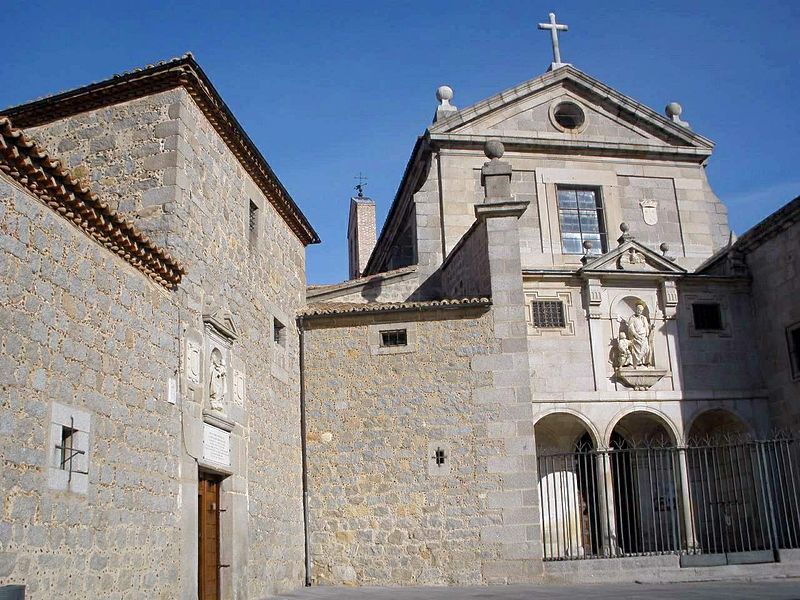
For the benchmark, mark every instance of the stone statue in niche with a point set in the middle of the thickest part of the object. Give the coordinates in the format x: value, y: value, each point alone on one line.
x: 622, y: 357
x: 640, y: 333
x: 216, y: 391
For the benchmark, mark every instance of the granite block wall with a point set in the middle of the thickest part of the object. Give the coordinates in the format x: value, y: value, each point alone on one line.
x: 81, y: 328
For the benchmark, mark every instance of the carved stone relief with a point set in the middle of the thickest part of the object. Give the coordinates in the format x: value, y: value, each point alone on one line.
x: 649, y: 211
x: 632, y: 355
x: 238, y: 388
x: 217, y: 382
x: 193, y: 361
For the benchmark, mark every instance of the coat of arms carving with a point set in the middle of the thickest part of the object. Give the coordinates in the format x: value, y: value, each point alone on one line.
x: 649, y: 211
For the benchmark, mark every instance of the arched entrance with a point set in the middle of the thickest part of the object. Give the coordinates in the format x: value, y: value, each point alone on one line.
x: 725, y: 480
x: 568, y: 495
x: 645, y: 478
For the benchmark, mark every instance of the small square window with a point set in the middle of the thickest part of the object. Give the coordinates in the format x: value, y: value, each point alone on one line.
x: 394, y: 337
x: 548, y: 314
x: 707, y: 316
x: 793, y: 339
x: 279, y: 332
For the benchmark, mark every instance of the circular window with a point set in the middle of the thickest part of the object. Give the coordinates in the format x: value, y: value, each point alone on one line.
x: 569, y: 116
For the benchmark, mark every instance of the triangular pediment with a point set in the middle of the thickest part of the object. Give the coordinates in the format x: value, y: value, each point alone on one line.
x: 631, y: 257
x: 528, y: 112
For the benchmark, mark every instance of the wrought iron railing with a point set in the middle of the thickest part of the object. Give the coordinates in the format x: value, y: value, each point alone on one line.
x: 710, y: 497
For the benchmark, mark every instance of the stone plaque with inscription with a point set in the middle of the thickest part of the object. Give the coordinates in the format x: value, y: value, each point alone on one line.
x: 216, y: 445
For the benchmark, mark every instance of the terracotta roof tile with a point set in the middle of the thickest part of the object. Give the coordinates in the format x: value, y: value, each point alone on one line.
x: 343, y: 308
x: 30, y: 165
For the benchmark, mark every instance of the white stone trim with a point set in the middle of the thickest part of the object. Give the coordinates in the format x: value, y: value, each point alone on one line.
x: 57, y: 478
x: 547, y: 294
x: 375, y: 338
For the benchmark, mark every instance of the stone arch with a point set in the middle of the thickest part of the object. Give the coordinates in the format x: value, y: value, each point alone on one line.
x: 717, y: 421
x: 568, y: 490
x: 569, y: 415
x: 643, y: 414
x: 624, y: 305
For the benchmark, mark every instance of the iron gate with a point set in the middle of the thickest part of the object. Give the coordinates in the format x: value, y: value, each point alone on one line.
x: 713, y: 501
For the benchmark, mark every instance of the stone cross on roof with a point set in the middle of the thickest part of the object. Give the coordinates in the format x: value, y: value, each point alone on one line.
x: 554, y: 29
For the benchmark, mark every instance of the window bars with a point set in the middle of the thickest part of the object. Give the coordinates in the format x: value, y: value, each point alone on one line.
x: 67, y: 450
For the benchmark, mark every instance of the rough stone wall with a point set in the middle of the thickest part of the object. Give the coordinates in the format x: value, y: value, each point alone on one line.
x: 466, y: 272
x: 379, y: 511
x: 775, y: 292
x: 83, y: 328
x: 166, y: 165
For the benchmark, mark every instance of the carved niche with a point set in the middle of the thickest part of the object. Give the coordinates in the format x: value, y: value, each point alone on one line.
x: 633, y: 355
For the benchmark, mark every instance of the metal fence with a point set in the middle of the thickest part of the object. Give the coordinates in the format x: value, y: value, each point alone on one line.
x: 723, y: 500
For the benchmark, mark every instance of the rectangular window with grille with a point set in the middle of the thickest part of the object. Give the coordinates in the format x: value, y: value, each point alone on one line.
x: 279, y: 332
x: 394, y: 337
x: 580, y: 214
x: 707, y: 316
x: 252, y: 223
x: 548, y: 314
x: 793, y: 338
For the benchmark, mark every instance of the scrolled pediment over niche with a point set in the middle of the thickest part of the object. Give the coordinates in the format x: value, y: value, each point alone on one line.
x: 220, y: 319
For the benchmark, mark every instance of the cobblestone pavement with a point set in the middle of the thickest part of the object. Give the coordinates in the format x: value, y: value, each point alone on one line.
x: 728, y: 590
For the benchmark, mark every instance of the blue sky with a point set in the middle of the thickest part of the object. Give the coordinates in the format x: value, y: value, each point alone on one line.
x: 328, y: 89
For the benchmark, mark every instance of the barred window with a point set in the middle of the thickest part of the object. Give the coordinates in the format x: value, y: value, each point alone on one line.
x: 580, y: 213
x: 548, y: 314
x: 279, y: 332
x: 793, y: 338
x: 252, y: 224
x: 394, y: 337
x: 707, y: 316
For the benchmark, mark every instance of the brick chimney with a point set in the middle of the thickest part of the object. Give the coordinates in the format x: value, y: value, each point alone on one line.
x: 361, y: 233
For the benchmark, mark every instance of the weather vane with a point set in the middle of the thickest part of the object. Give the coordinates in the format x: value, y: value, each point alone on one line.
x: 360, y: 185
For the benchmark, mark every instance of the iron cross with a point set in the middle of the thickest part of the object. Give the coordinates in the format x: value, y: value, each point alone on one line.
x: 554, y: 29
x: 360, y: 186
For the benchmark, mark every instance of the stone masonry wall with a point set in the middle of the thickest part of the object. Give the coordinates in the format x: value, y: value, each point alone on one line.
x: 465, y: 273
x: 80, y: 327
x: 164, y: 163
x: 775, y: 292
x: 380, y: 510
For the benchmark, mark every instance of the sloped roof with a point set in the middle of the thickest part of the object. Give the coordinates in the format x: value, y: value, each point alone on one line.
x: 30, y: 165
x: 178, y: 72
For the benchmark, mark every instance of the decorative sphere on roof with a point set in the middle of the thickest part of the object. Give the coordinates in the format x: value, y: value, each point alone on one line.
x: 444, y: 93
x: 493, y: 149
x: 673, y: 109
x: 587, y: 245
x: 624, y: 227
x: 664, y: 247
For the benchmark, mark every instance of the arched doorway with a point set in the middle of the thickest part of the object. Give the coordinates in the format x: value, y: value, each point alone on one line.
x: 568, y: 495
x: 725, y: 482
x: 646, y: 482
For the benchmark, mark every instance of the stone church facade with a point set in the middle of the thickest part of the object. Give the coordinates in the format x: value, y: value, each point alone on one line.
x: 183, y: 417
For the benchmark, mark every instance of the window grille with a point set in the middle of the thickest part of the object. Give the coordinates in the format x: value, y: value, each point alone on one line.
x: 67, y: 450
x: 548, y: 314
x: 252, y: 222
x: 707, y: 316
x: 580, y: 213
x: 394, y: 337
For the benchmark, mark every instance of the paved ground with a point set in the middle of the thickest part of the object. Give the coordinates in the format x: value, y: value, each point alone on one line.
x: 767, y: 590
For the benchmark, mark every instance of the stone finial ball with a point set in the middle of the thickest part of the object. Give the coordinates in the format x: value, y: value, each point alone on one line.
x: 624, y: 227
x: 673, y: 109
x: 587, y: 245
x: 444, y: 93
x: 493, y: 149
x: 664, y: 247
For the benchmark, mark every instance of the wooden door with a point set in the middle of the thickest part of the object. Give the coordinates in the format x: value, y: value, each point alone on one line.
x: 208, y: 538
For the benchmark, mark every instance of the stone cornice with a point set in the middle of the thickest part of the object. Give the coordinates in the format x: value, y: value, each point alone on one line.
x: 573, y: 147
x: 350, y: 309
x: 29, y: 164
x: 180, y: 72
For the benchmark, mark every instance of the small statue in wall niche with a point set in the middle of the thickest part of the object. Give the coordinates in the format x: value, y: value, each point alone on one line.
x: 216, y: 391
x: 640, y: 332
x: 622, y: 356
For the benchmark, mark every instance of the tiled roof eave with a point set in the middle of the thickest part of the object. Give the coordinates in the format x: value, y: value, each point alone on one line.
x: 333, y: 309
x: 29, y: 164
